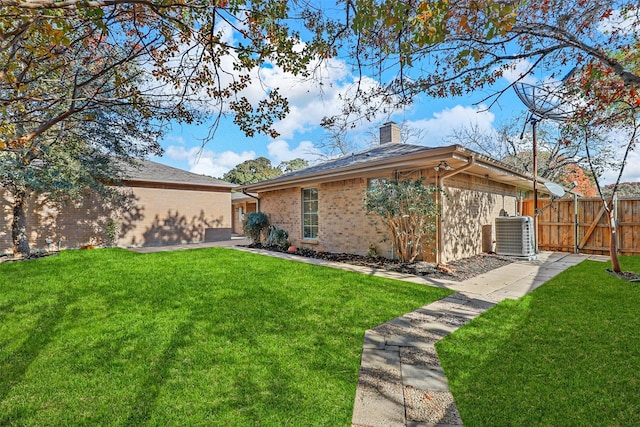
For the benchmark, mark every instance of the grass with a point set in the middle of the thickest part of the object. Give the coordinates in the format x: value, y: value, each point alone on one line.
x: 200, y: 337
x: 566, y: 354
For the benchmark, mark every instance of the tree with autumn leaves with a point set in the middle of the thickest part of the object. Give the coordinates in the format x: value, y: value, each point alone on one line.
x: 85, y: 85
x: 445, y: 48
x: 189, y: 58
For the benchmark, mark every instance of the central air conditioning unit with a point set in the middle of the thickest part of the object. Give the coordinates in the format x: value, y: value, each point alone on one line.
x: 515, y: 237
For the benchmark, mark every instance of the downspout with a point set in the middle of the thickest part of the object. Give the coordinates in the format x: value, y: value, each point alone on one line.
x: 440, y: 184
x: 254, y: 197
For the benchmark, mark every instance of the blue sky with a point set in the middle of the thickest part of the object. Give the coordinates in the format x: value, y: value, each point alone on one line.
x: 310, y: 101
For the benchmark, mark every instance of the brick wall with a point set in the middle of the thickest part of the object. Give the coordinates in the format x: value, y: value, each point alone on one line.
x: 341, y: 216
x: 238, y: 217
x: 472, y: 202
x: 5, y: 223
x: 167, y: 216
x: 284, y: 209
x: 157, y: 216
x: 65, y: 224
x: 344, y: 226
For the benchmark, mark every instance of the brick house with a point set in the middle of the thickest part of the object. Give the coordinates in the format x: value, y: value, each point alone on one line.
x: 321, y: 207
x: 167, y: 206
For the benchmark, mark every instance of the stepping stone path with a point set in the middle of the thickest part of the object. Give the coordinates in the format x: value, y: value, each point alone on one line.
x: 401, y: 382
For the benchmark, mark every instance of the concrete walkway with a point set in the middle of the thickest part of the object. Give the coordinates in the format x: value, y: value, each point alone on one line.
x: 227, y: 243
x: 401, y: 382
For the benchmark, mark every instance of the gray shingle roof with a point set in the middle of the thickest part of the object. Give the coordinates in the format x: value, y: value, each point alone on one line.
x: 370, y: 155
x: 148, y: 171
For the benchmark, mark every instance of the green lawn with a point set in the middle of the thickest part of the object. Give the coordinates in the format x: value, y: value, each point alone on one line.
x: 566, y: 354
x: 200, y: 337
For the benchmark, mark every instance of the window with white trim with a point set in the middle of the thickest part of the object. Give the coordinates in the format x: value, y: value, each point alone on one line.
x: 310, y: 213
x: 373, y: 182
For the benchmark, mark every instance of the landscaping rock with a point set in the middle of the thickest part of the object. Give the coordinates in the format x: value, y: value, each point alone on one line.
x: 459, y: 270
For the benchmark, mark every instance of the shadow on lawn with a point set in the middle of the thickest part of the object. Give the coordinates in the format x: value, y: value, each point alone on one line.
x: 159, y: 373
x: 38, y: 338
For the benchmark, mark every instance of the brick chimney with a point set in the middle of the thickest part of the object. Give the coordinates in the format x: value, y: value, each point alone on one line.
x: 390, y: 133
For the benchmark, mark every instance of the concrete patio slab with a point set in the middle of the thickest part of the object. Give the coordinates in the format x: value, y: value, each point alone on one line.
x: 374, y: 340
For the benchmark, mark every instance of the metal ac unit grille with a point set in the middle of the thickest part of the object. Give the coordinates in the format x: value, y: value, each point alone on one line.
x: 514, y: 236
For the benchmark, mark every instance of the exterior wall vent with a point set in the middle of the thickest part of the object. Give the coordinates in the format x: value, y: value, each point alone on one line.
x: 515, y: 237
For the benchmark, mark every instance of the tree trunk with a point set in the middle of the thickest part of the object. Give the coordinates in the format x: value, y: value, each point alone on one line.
x: 613, y: 242
x: 19, y: 226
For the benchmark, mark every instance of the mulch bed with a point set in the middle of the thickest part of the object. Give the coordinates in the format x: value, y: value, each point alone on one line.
x: 32, y: 256
x: 626, y: 275
x: 456, y: 270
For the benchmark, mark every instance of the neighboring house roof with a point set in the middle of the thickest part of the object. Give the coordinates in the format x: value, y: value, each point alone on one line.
x: 157, y: 174
x: 238, y: 197
x: 401, y: 157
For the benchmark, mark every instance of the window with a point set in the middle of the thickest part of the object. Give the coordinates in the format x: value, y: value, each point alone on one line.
x: 310, y: 213
x: 373, y: 182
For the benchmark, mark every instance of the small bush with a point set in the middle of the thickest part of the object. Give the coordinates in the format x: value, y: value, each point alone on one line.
x: 255, y: 224
x: 277, y: 237
x: 409, y: 209
x: 372, y: 252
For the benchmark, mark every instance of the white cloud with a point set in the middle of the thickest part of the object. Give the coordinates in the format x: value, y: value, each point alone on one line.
x: 516, y: 71
x: 631, y: 171
x: 618, y: 23
x: 615, y: 144
x: 207, y: 162
x: 174, y: 139
x: 441, y: 126
x: 179, y: 152
x: 279, y: 151
x: 309, y: 99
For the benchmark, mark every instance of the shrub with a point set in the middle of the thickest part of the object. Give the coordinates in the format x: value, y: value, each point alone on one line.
x: 111, y: 232
x: 255, y: 224
x: 409, y: 209
x: 278, y: 237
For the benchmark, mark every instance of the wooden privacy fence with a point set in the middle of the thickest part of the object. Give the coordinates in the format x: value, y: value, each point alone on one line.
x: 568, y: 225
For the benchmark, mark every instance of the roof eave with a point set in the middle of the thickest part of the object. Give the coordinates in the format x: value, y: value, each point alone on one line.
x: 407, y: 160
x: 176, y: 184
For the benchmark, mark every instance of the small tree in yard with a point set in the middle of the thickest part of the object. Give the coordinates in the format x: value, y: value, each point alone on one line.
x: 409, y: 209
